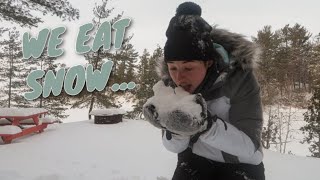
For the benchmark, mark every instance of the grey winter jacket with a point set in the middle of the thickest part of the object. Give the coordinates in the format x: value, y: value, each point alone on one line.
x: 235, y: 98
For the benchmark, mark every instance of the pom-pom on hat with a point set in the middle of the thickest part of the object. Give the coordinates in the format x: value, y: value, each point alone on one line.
x: 188, y: 36
x: 188, y: 8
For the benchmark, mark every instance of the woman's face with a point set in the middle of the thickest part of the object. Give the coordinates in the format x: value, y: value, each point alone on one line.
x: 188, y: 74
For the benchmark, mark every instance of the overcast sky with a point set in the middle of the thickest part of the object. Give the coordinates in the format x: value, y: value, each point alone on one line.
x: 150, y: 19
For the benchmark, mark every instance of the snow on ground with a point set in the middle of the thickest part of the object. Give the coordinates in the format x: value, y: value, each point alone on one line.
x: 83, y: 150
x: 289, y: 167
x: 131, y: 150
x: 76, y: 115
x: 294, y: 145
x: 295, y: 136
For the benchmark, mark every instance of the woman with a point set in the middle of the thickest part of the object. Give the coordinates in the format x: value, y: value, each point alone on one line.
x: 217, y: 65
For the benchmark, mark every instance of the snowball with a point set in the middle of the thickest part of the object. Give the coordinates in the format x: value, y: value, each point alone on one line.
x: 167, y: 100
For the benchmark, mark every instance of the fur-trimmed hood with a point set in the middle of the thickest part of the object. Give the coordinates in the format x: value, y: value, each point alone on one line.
x: 242, y: 53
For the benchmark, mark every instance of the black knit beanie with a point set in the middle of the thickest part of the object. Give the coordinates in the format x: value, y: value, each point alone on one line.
x: 188, y: 36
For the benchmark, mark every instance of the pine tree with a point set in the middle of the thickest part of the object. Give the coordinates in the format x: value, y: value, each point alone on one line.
x: 312, y: 128
x: 314, y: 65
x: 56, y: 105
x: 282, y: 60
x: 131, y: 59
x: 294, y: 58
x: 22, y: 11
x: 147, y: 79
x: 142, y: 86
x: 125, y: 63
x: 13, y: 70
x: 99, y: 98
x: 269, y: 43
x: 152, y: 74
x: 312, y: 116
x: 3, y: 99
x: 301, y: 54
x: 104, y: 98
x: 283, y: 77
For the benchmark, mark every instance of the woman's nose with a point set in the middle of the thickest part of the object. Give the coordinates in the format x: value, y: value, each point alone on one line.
x: 180, y: 76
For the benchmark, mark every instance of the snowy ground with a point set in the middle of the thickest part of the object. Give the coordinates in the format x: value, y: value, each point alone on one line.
x: 294, y: 145
x: 131, y: 150
x: 83, y: 150
x: 296, y: 136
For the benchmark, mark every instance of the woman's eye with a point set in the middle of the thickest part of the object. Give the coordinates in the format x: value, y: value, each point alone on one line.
x: 172, y: 69
x: 188, y: 69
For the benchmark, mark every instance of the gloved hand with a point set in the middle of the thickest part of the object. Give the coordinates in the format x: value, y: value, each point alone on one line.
x: 176, y: 110
x: 150, y: 113
x: 170, y: 135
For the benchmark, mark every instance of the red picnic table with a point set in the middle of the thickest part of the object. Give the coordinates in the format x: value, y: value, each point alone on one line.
x: 15, y: 118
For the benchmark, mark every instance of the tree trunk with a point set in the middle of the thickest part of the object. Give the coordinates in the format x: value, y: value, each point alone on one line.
x: 280, y: 128
x: 288, y: 131
x: 269, y: 129
x: 41, y: 82
x: 91, y: 104
x: 10, y: 74
x: 319, y: 145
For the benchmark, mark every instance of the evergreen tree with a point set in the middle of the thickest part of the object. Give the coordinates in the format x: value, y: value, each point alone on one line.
x: 142, y: 86
x: 104, y: 98
x: 282, y: 60
x: 3, y: 98
x: 56, y: 105
x: 282, y: 70
x: 13, y: 70
x: 283, y: 67
x: 125, y: 63
x: 22, y: 11
x: 152, y: 74
x: 312, y: 128
x: 269, y: 43
x: 147, y: 79
x: 314, y: 65
x: 131, y: 61
x: 294, y: 58
x: 301, y: 55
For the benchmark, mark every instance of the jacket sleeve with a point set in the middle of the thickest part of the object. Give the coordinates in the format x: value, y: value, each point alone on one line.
x: 240, y: 136
x: 176, y: 144
x: 231, y: 140
x: 246, y: 109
